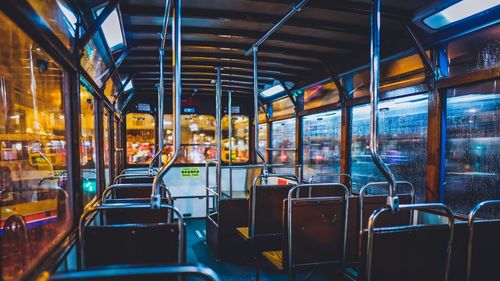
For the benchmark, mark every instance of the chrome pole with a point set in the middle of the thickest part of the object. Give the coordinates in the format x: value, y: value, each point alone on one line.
x: 218, y: 128
x: 230, y: 136
x: 176, y: 104
x: 256, y: 110
x: 392, y: 200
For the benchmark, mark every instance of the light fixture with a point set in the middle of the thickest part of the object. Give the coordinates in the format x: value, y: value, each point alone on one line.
x: 272, y: 91
x: 112, y: 29
x: 458, y: 11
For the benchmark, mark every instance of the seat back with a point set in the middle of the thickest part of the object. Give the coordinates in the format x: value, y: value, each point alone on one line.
x: 131, y: 244
x: 136, y: 216
x: 410, y: 253
x: 265, y: 209
x: 317, y: 231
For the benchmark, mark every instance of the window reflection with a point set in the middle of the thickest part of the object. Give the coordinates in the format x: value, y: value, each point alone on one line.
x: 322, y: 143
x: 34, y: 205
x: 263, y: 141
x: 87, y: 145
x: 240, y: 139
x: 58, y: 17
x: 472, y: 146
x: 283, y: 137
x: 140, y: 138
x: 402, y: 142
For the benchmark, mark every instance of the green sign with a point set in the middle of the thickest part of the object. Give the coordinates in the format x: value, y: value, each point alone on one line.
x: 190, y: 172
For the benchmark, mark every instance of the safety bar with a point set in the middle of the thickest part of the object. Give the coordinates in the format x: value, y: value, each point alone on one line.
x: 410, y: 207
x: 470, y: 223
x: 254, y: 196
x: 367, y: 186
x: 209, y: 189
x: 319, y: 175
x: 176, y: 104
x: 108, y: 191
x: 142, y: 271
x: 130, y: 176
x: 392, y: 200
x: 289, y: 215
x: 122, y: 206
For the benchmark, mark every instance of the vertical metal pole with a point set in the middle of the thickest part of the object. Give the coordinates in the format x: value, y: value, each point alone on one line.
x: 161, y: 93
x: 230, y: 136
x: 256, y: 111
x: 218, y: 128
x: 392, y: 200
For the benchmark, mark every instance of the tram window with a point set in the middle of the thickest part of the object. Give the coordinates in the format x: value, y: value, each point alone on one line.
x: 472, y: 171
x: 197, y: 138
x: 140, y: 138
x: 282, y: 107
x: 93, y: 62
x: 58, y: 17
x: 105, y: 125
x: 117, y: 154
x: 35, y: 211
x: 283, y: 137
x: 321, y: 143
x: 110, y: 90
x: 263, y: 141
x: 87, y: 145
x: 240, y: 139
x: 402, y: 142
x: 474, y: 52
x: 320, y: 94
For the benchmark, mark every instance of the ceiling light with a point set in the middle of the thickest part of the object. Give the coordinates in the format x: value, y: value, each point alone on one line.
x: 270, y: 92
x: 458, y: 11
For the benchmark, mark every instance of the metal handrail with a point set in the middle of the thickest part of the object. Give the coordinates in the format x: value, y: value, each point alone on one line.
x: 409, y: 207
x: 121, y: 206
x: 470, y: 223
x: 108, y: 191
x: 318, y: 175
x: 130, y: 176
x: 256, y: 110
x: 137, y: 271
x: 392, y: 200
x: 380, y: 184
x: 176, y: 104
x: 207, y: 186
x: 289, y: 215
x: 254, y: 197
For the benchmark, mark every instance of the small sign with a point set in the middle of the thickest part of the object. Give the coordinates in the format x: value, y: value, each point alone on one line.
x: 143, y: 107
x: 235, y: 109
x: 190, y: 110
x: 190, y: 172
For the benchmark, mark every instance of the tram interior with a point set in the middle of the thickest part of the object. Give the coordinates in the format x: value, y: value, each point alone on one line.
x: 353, y: 140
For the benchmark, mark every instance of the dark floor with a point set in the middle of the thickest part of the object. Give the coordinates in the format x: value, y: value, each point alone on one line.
x: 198, y: 252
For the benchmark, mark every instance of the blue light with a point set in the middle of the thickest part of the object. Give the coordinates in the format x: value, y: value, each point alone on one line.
x: 112, y: 30
x: 459, y: 11
x: 274, y: 90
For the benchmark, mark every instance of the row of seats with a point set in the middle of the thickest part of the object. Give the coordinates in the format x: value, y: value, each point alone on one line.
x: 294, y: 227
x: 122, y: 236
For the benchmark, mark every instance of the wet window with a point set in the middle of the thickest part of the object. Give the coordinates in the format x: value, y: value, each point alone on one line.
x: 472, y: 146
x: 93, y: 62
x: 283, y: 140
x: 321, y: 143
x: 239, y: 139
x: 140, y: 138
x: 263, y: 141
x: 35, y: 211
x: 105, y: 125
x: 87, y: 145
x: 402, y: 142
x: 282, y: 107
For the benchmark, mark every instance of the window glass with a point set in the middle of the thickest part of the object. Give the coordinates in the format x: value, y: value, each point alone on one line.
x: 477, y: 51
x: 117, y: 154
x: 87, y: 152
x: 197, y: 138
x: 472, y: 146
x: 283, y: 137
x: 321, y: 143
x: 320, y: 94
x: 110, y: 90
x: 263, y: 141
x: 140, y: 138
x: 58, y: 17
x: 282, y: 107
x: 35, y: 211
x: 105, y: 125
x: 402, y: 142
x: 240, y: 139
x: 93, y: 63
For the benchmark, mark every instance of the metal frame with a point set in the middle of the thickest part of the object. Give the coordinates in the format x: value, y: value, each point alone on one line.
x: 109, y: 191
x: 412, y: 207
x: 289, y: 217
x: 127, y: 272
x: 230, y: 138
x: 86, y: 218
x: 317, y: 175
x: 470, y: 223
x: 254, y: 196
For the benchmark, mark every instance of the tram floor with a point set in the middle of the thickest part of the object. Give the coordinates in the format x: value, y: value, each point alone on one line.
x: 198, y: 252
